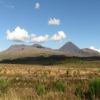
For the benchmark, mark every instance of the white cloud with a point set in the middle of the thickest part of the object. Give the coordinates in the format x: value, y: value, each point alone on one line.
x: 59, y: 36
x: 10, y: 7
x: 19, y: 35
x: 54, y: 21
x: 39, y: 39
x: 32, y: 35
x: 37, y: 5
x: 91, y: 47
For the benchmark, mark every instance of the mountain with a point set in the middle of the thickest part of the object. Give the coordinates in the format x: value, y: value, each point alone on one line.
x: 37, y: 46
x: 87, y: 51
x: 13, y: 47
x: 36, y: 50
x: 22, y: 51
x: 70, y: 48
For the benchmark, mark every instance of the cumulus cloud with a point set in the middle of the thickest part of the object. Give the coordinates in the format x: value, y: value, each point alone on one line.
x: 37, y: 5
x: 39, y: 39
x: 32, y: 35
x: 54, y: 21
x: 91, y: 47
x: 19, y: 35
x: 58, y: 37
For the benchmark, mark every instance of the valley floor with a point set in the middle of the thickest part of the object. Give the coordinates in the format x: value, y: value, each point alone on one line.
x: 25, y: 78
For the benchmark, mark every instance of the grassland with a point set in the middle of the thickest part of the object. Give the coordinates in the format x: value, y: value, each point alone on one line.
x: 24, y: 78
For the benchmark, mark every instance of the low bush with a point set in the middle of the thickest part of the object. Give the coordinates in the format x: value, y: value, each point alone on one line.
x: 4, y: 86
x: 68, y: 71
x: 42, y: 73
x: 78, y: 91
x: 78, y: 72
x: 40, y: 89
x: 93, y: 89
x: 60, y: 87
x: 74, y: 73
x: 0, y: 70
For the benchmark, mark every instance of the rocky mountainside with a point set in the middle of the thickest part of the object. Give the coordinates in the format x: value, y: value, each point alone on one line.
x: 22, y: 51
x: 69, y: 47
x: 36, y: 50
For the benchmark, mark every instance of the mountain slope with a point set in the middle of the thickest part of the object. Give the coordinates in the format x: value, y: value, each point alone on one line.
x: 70, y: 48
x: 22, y: 51
x: 87, y: 51
x: 36, y: 50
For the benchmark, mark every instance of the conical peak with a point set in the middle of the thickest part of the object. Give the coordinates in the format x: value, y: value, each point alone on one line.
x: 70, y: 47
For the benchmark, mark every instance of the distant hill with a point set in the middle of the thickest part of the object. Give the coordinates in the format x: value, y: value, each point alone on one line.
x: 87, y: 51
x: 36, y: 50
x: 22, y: 51
x: 37, y: 46
x: 69, y: 47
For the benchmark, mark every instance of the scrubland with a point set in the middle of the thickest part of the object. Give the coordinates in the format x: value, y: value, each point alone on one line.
x: 58, y: 81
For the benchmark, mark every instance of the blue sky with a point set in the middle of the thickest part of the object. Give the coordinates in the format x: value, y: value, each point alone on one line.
x: 50, y: 22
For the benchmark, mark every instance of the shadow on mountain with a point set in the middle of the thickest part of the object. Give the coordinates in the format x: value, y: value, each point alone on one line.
x: 41, y: 60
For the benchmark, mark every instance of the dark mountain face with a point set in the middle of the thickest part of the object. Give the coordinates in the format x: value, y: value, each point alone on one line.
x: 37, y: 46
x: 22, y: 51
x: 70, y: 47
x: 89, y: 52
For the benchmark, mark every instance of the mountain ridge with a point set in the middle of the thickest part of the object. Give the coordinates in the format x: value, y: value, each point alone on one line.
x: 72, y: 48
x: 22, y: 51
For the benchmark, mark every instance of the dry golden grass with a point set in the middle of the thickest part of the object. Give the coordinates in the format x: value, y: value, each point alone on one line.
x: 31, y: 70
x: 25, y: 90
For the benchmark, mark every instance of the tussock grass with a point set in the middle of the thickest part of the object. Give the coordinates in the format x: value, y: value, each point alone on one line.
x: 25, y: 78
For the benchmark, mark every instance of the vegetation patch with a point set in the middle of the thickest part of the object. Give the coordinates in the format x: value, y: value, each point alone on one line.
x: 68, y: 61
x: 4, y: 86
x: 40, y: 89
x: 60, y: 87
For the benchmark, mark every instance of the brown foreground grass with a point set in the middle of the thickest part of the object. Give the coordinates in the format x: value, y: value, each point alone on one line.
x: 25, y: 78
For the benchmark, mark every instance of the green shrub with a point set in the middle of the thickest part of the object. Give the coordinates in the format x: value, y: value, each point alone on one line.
x: 68, y: 71
x: 42, y: 73
x: 74, y: 72
x: 93, y: 89
x: 99, y: 70
x: 60, y: 87
x: 0, y: 70
x: 40, y: 89
x: 78, y: 72
x: 78, y: 91
x: 4, y: 86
